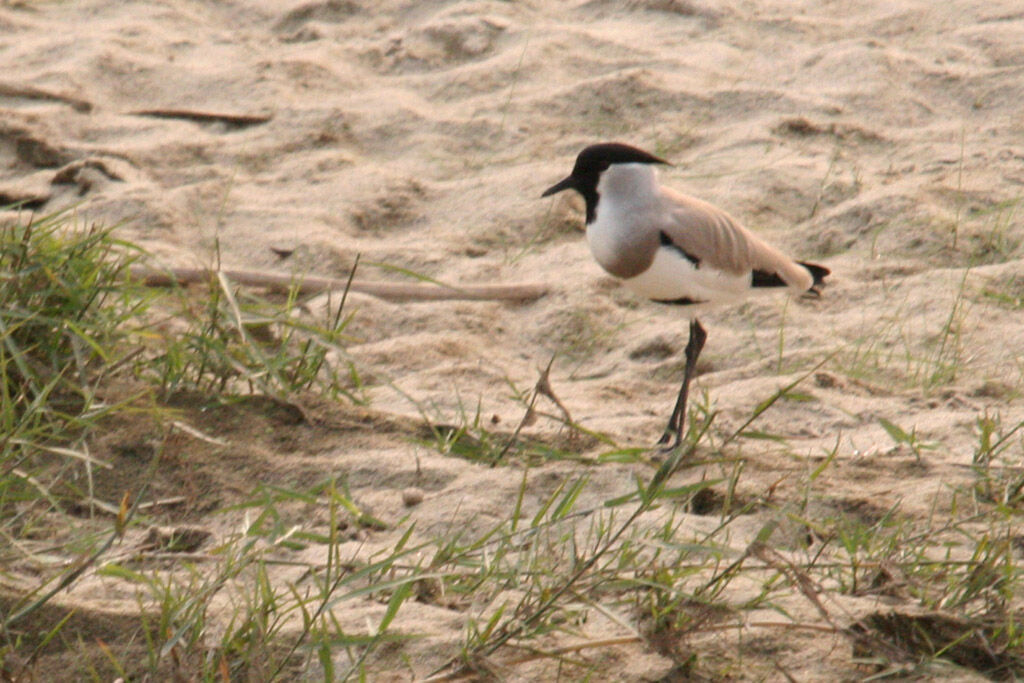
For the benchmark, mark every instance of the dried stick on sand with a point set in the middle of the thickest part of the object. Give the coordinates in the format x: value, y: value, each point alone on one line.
x: 398, y: 291
x: 30, y: 92
x: 204, y: 116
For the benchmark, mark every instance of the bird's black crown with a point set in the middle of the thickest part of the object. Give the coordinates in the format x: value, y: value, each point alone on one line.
x: 597, y: 158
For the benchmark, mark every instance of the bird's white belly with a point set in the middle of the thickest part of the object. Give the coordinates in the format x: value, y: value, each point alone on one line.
x: 672, y: 276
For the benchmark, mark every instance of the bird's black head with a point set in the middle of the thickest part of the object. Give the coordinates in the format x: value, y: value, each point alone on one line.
x: 592, y: 162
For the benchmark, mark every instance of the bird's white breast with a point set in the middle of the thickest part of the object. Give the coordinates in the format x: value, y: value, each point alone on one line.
x: 607, y: 235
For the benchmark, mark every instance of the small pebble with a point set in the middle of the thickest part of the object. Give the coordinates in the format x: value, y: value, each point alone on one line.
x: 412, y: 496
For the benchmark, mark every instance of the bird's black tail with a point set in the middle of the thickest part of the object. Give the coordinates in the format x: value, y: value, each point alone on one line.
x: 766, y: 278
x: 819, y: 273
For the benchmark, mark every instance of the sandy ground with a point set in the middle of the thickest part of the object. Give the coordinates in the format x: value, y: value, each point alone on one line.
x: 882, y: 139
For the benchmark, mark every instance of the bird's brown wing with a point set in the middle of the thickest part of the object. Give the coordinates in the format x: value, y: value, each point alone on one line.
x: 712, y: 238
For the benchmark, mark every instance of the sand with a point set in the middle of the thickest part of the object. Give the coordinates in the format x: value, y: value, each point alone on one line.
x: 881, y: 139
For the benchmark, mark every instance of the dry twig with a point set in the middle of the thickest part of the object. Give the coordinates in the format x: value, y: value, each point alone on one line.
x: 395, y: 291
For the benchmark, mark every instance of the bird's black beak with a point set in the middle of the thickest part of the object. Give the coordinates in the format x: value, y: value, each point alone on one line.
x: 567, y: 183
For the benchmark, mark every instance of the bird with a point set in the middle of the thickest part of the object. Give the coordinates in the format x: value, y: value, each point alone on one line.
x: 674, y: 249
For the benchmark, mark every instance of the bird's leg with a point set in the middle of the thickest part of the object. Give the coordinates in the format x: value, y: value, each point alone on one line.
x: 674, y: 431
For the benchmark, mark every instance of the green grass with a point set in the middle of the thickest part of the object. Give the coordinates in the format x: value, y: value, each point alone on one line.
x: 81, y: 344
x: 895, y: 351
x: 686, y: 561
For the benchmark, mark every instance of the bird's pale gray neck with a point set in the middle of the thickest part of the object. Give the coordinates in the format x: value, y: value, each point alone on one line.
x: 622, y: 235
x: 625, y: 183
